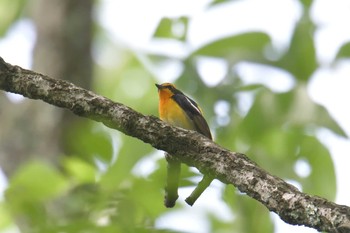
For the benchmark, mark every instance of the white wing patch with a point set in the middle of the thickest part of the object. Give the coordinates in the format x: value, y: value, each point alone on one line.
x: 194, y: 106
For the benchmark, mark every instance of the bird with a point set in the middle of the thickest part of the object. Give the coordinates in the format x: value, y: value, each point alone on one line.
x: 179, y: 110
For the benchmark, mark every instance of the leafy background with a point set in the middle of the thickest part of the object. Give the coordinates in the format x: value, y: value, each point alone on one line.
x: 108, y: 182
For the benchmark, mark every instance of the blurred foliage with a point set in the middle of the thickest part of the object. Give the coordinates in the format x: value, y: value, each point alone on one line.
x: 217, y: 2
x: 300, y: 60
x: 246, y: 46
x: 242, y: 206
x: 10, y: 11
x: 172, y: 28
x: 114, y: 183
x: 344, y: 51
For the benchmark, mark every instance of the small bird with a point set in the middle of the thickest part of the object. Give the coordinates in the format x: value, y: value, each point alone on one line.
x: 179, y: 110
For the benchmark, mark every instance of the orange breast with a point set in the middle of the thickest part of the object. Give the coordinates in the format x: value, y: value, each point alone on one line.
x: 170, y: 111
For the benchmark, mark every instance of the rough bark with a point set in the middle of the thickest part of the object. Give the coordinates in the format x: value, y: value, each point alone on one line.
x: 293, y: 206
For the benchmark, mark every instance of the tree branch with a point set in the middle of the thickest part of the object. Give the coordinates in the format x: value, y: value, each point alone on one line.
x: 293, y: 206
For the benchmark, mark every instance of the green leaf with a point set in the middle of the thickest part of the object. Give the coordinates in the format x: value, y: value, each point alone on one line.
x: 287, y: 109
x: 148, y: 196
x: 164, y: 29
x: 280, y: 129
x: 250, y: 216
x: 131, y: 151
x: 322, y: 168
x: 344, y: 51
x: 88, y: 139
x: 248, y: 46
x: 307, y: 3
x: 36, y: 182
x: 300, y: 59
x: 218, y: 2
x: 5, y: 217
x: 10, y: 11
x: 172, y: 28
x: 80, y: 170
x: 251, y: 87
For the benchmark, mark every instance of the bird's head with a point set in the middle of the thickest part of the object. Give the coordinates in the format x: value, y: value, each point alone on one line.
x: 167, y: 90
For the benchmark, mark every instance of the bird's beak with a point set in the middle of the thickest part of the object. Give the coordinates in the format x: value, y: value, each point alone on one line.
x: 159, y: 86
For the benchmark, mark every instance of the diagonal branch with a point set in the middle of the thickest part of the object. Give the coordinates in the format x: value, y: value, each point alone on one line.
x: 293, y: 206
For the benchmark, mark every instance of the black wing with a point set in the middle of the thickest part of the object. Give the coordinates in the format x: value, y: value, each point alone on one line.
x: 194, y: 113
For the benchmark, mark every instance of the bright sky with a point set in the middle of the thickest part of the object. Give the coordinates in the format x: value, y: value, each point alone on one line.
x: 329, y: 85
